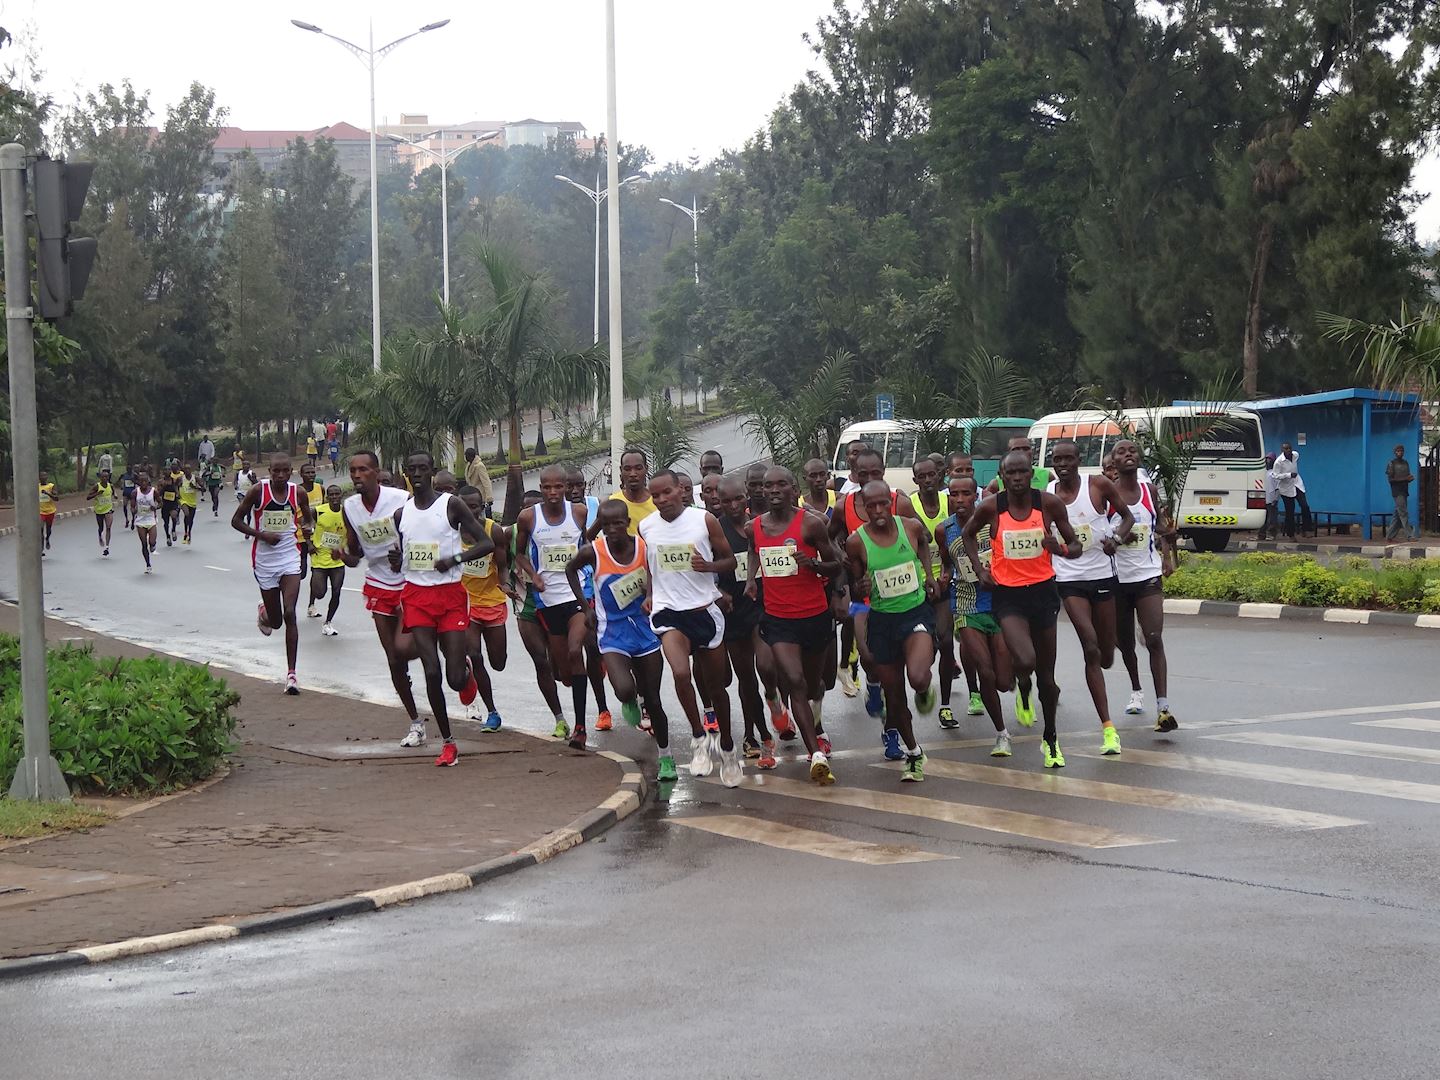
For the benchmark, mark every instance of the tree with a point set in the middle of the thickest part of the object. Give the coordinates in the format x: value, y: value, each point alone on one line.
x: 1402, y: 356
x: 663, y: 436
x: 794, y: 427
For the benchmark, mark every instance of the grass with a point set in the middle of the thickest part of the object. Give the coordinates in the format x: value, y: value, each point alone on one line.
x: 23, y: 820
x: 1276, y: 577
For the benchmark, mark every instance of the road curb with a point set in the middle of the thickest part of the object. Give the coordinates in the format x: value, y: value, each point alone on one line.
x: 628, y: 796
x: 1352, y: 616
x: 10, y: 530
x: 1373, y: 550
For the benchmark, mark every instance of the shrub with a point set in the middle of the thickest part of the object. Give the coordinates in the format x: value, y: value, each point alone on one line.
x: 1355, y: 592
x: 1352, y: 564
x: 1405, y: 581
x: 1260, y: 589
x: 1271, y: 558
x: 1309, y: 584
x: 121, y: 725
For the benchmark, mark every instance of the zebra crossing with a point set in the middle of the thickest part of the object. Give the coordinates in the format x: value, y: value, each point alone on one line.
x: 1045, y: 802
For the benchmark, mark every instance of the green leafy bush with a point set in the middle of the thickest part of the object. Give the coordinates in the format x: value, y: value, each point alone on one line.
x: 1271, y: 558
x: 1405, y: 581
x: 1352, y: 563
x: 120, y: 726
x: 1310, y: 585
x: 1355, y: 593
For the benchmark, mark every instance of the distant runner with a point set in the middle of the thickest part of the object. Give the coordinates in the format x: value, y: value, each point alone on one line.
x: 103, y: 495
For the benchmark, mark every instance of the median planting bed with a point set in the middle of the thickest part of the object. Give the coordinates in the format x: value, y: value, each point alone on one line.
x: 1272, y: 577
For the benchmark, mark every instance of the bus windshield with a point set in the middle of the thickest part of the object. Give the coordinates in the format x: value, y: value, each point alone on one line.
x: 992, y: 442
x: 1216, y: 438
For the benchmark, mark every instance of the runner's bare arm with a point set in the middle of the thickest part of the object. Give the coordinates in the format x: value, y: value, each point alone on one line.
x: 1107, y: 491
x: 93, y: 492
x: 752, y: 563
x: 855, y: 567
x: 581, y: 559
x: 353, y: 552
x: 240, y: 522
x: 393, y: 555
x: 947, y: 564
x: 919, y: 537
x: 524, y: 568
x: 464, y: 519
x: 984, y: 515
x: 830, y: 562
x: 724, y: 560
x: 1053, y: 515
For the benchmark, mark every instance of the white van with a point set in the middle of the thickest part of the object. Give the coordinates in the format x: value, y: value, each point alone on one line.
x: 1226, y: 488
x: 896, y: 441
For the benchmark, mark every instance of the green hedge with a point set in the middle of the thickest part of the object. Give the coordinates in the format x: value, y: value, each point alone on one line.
x: 121, y: 726
x: 1273, y: 577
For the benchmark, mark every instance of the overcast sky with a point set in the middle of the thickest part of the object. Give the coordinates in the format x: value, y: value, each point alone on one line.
x: 693, y: 77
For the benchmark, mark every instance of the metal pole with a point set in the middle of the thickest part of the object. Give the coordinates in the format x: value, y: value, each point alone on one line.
x: 695, y: 235
x: 617, y: 383
x: 374, y: 216
x: 595, y: 402
x: 445, y: 217
x: 37, y: 776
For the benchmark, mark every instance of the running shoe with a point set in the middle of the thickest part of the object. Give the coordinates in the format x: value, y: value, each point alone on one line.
x: 700, y: 763
x: 947, y: 718
x: 1109, y: 741
x: 790, y: 734
x: 751, y: 747
x: 562, y: 730
x: 311, y: 613
x: 822, y: 743
x: 187, y: 541
x: 820, y: 769
x: 667, y: 773
x: 106, y: 553
x: 150, y: 570
x: 891, y: 740
x: 976, y: 706
x: 449, y: 754
x: 766, y: 758
x: 732, y: 767
x: 1053, y: 758
x: 168, y: 543
x: 630, y: 713
x: 781, y: 721
x: 261, y: 619
x: 492, y: 721
x: 292, y: 687
x: 710, y: 723
x: 914, y: 771
x: 471, y: 687
x: 1137, y: 703
x: 1024, y: 709
x: 1166, y: 721
x: 846, y: 681
x: 925, y: 700
x: 329, y: 631
x: 416, y: 735
x: 874, y: 701
x: 577, y: 739
x: 1002, y: 745
x: 645, y: 720
x: 603, y: 722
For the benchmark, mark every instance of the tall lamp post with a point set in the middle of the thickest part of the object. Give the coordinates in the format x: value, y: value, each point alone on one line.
x: 612, y: 177
x: 693, y: 212
x: 443, y: 157
x: 370, y: 57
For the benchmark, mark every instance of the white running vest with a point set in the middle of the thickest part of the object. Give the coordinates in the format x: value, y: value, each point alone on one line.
x: 1091, y: 527
x: 145, y: 508
x: 551, y: 548
x: 375, y: 529
x: 668, y: 548
x: 426, y: 537
x: 1139, y: 560
x: 274, y: 514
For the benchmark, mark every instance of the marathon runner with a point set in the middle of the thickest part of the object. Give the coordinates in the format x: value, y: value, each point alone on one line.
x: 214, y: 478
x: 1141, y: 591
x: 1021, y: 579
x: 103, y: 495
x: 47, y: 506
x: 327, y: 568
x: 370, y: 529
x: 889, y: 559
x: 127, y: 495
x: 792, y: 551
x: 628, y: 644
x: 1087, y: 584
x: 316, y: 494
x: 170, y: 501
x: 854, y: 481
x: 489, y: 608
x: 755, y: 500
x: 547, y: 537
x: 932, y: 506
x: 532, y: 634
x: 1039, y: 477
x: 742, y: 624
x: 687, y: 487
x: 975, y: 627
x: 594, y: 665
x: 434, y: 605
x: 276, y: 509
x: 188, y: 490
x: 684, y: 549
x: 711, y: 464
x: 634, y: 472
x: 819, y: 494
x: 960, y: 464
x: 147, y: 509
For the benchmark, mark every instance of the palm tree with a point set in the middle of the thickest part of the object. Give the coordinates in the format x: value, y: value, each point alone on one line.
x: 803, y: 424
x: 663, y: 436
x: 1403, y: 356
x: 988, y: 387
x: 441, y: 377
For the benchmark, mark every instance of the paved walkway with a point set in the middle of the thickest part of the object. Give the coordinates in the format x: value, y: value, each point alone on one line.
x: 320, y: 803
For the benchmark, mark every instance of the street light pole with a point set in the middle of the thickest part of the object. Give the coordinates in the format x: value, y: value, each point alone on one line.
x: 370, y: 57
x: 612, y: 170
x: 693, y: 212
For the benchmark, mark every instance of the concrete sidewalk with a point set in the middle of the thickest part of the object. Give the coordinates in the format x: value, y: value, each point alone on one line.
x: 320, y: 803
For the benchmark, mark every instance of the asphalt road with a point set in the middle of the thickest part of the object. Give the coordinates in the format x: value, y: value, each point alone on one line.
x: 1254, y: 895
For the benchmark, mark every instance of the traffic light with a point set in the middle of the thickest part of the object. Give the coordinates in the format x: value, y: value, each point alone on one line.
x: 63, y: 263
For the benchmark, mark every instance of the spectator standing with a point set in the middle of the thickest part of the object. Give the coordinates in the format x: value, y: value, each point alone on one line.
x: 1271, y: 529
x: 1397, y: 471
x: 1286, y: 473
x: 206, y: 451
x: 1307, y: 520
x: 478, y: 477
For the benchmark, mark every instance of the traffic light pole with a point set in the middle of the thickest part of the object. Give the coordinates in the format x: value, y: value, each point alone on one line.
x: 38, y: 776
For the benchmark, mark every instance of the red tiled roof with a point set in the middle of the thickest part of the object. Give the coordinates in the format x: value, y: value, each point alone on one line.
x: 234, y: 138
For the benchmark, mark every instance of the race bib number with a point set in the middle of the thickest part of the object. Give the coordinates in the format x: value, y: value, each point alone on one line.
x: 554, y: 557
x: 896, y: 581
x: 420, y: 556
x: 378, y: 532
x: 332, y: 541
x: 1086, y: 536
x: 1139, y: 536
x: 478, y: 568
x: 778, y: 562
x: 628, y: 588
x: 104, y: 504
x: 965, y: 571
x: 742, y: 565
x: 277, y: 521
x: 673, y: 558
x: 1024, y: 543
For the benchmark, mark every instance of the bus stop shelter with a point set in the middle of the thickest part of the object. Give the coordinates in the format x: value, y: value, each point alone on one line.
x: 1343, y: 439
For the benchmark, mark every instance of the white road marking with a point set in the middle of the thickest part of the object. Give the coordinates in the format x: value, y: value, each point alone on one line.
x: 1403, y: 723
x: 222, y: 569
x: 807, y: 841
x: 1153, y: 798
x: 1321, y: 745
x: 1320, y: 714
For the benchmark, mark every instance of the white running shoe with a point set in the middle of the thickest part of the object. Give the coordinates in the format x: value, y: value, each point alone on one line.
x: 700, y: 763
x: 329, y: 631
x: 292, y: 685
x: 1137, y: 703
x: 263, y: 621
x: 415, y: 736
x: 847, y: 684
x: 732, y: 769
x: 310, y: 612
